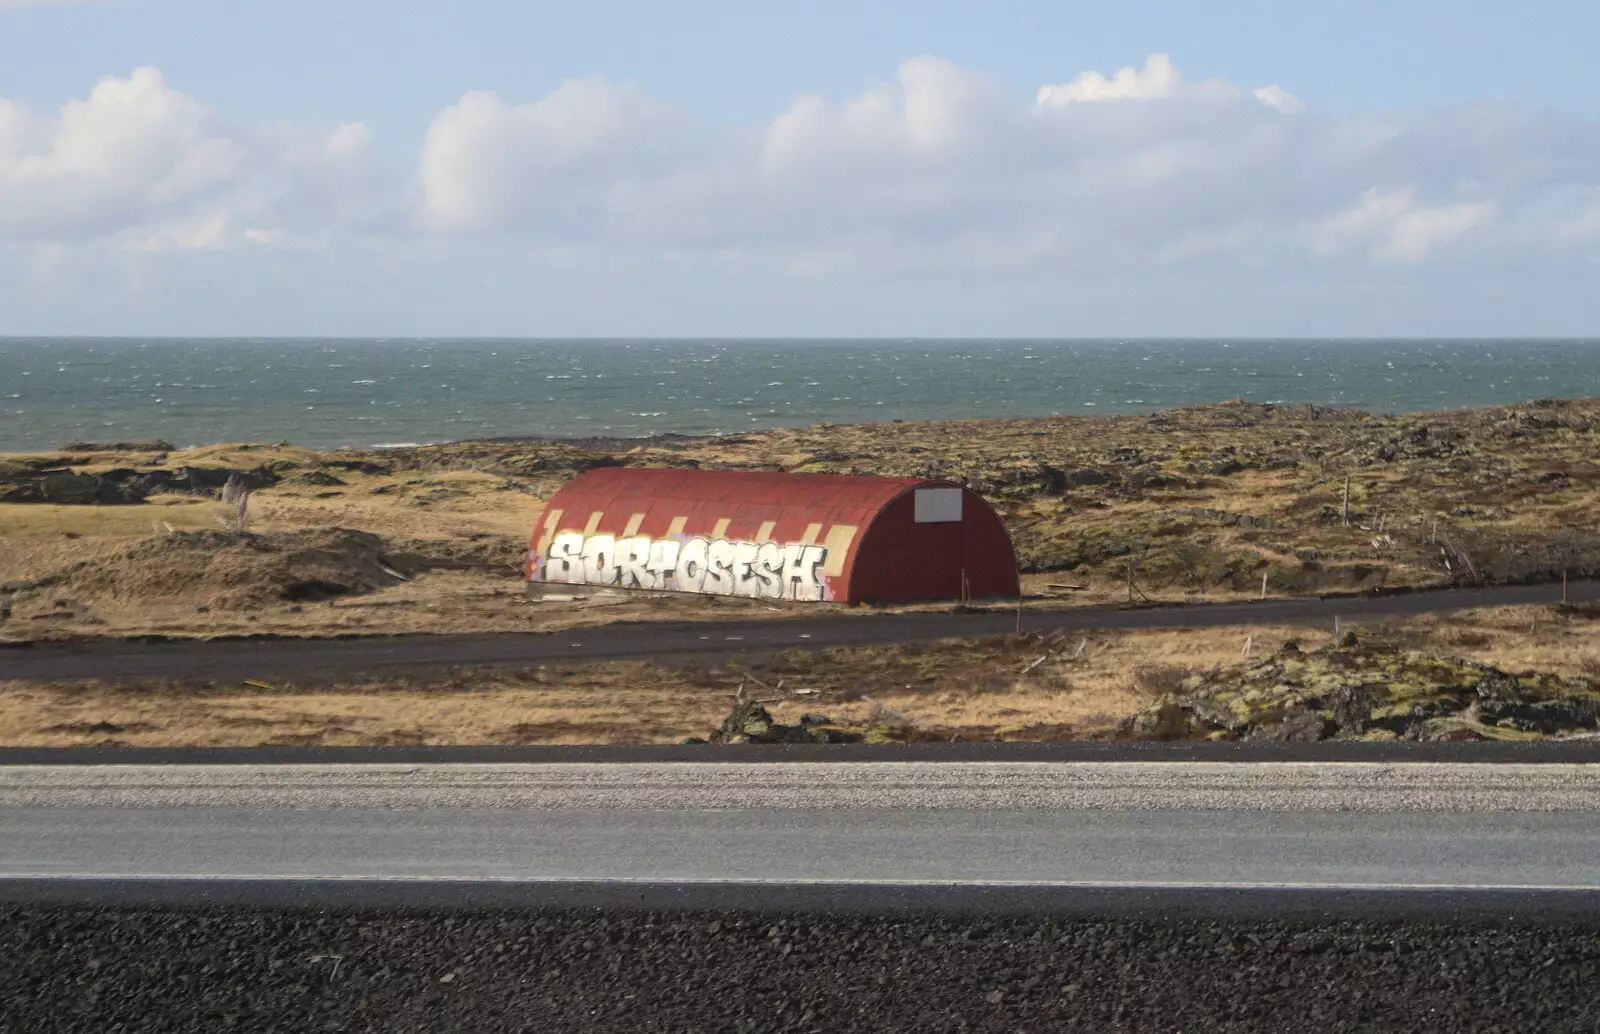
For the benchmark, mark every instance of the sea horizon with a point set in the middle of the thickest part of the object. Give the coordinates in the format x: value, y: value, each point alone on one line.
x: 329, y: 392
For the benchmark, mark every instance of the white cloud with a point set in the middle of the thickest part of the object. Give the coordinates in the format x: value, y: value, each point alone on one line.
x: 1277, y: 97
x: 489, y: 165
x: 131, y: 147
x: 932, y: 175
x: 932, y: 106
x: 201, y: 233
x: 1393, y: 227
x: 137, y: 160
x: 1159, y: 79
x: 937, y: 170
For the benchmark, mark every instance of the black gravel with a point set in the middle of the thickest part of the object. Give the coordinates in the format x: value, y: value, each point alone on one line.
x: 119, y: 969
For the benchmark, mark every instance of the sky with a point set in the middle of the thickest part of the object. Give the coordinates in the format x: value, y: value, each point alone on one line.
x: 713, y: 168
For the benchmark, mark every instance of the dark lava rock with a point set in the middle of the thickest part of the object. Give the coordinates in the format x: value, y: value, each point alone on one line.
x: 211, y: 480
x: 359, y: 466
x: 751, y: 722
x: 1226, y: 517
x: 1353, y: 690
x: 69, y: 488
x: 320, y: 478
x: 72, y: 489
x: 1498, y: 686
x: 156, y: 445
x: 1547, y: 717
x: 1352, y: 709
x: 1085, y: 476
x: 1293, y: 727
x: 125, y: 485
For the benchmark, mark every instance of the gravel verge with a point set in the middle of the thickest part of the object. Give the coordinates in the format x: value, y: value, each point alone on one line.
x: 120, y: 969
x: 1265, y: 786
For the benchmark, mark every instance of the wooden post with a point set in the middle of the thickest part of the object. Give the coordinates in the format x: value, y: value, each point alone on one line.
x: 1563, y: 585
x: 1344, y: 512
x: 1336, y: 629
x: 1263, y: 584
x: 1433, y: 536
x: 1019, y: 613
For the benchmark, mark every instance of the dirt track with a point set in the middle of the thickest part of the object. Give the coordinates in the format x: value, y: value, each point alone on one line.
x: 230, y: 659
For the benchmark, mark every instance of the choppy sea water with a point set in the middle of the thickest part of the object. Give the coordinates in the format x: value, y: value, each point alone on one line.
x: 365, y: 392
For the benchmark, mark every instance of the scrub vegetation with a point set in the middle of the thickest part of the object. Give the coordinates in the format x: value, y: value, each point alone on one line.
x: 1504, y: 673
x: 1206, y: 503
x: 1209, y: 502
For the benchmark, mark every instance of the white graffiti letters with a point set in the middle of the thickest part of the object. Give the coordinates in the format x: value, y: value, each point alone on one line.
x: 663, y: 562
x: 691, y: 571
x: 764, y: 569
x: 599, y: 560
x: 799, y: 572
x: 719, y: 568
x: 566, y: 558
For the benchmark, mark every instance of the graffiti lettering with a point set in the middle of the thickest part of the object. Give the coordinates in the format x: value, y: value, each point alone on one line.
x: 764, y: 569
x: 719, y: 568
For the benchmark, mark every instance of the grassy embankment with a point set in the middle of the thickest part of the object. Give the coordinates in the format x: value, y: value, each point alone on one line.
x: 1422, y: 679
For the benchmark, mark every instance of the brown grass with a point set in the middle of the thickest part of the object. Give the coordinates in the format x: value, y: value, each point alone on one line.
x: 985, y: 689
x: 1204, y: 501
x: 1157, y: 679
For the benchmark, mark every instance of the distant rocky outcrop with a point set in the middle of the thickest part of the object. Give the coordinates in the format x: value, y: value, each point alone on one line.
x: 154, y: 445
x: 23, y: 483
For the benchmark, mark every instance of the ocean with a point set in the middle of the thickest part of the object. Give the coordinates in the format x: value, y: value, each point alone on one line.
x: 375, y: 392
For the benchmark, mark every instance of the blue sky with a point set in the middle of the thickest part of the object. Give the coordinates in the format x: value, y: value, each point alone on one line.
x: 394, y: 64
x: 827, y: 168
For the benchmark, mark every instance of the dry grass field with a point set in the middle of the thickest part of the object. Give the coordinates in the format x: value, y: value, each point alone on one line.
x: 1008, y: 688
x: 1200, y: 503
x: 1196, y: 504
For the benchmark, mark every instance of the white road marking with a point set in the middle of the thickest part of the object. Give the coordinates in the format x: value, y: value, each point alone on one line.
x: 810, y: 882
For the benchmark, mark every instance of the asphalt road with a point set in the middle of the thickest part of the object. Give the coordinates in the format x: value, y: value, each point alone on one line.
x: 263, y: 658
x: 862, y: 830
x: 781, y: 897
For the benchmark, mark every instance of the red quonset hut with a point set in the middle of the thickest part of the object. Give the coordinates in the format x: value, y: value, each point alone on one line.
x: 775, y: 535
